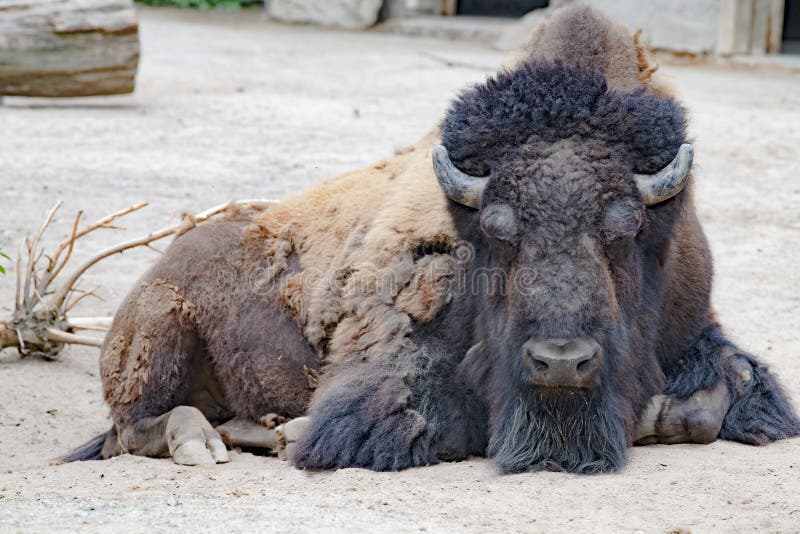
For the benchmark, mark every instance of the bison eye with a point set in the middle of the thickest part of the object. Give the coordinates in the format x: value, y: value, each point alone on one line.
x: 623, y: 221
x: 498, y: 222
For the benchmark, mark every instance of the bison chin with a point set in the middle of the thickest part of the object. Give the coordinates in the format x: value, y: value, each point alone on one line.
x: 559, y: 430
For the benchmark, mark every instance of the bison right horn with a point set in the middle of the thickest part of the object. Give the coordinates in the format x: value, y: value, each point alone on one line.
x: 669, y: 181
x: 457, y: 185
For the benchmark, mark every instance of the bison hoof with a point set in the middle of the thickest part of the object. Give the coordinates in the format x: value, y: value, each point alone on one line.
x: 198, y: 452
x: 192, y: 440
x: 698, y: 419
x: 289, y: 433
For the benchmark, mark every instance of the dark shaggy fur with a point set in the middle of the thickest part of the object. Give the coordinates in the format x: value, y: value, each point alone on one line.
x: 432, y: 370
x: 545, y: 102
x: 410, y: 409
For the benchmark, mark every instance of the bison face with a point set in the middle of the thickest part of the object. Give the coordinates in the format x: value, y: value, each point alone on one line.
x: 569, y: 181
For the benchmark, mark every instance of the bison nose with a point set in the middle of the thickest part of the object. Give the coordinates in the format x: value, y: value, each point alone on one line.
x: 563, y: 362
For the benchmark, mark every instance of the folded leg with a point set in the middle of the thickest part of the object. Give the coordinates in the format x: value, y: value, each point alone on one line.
x: 715, y: 390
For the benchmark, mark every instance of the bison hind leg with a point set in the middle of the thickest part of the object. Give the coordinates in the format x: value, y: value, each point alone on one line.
x: 183, y: 433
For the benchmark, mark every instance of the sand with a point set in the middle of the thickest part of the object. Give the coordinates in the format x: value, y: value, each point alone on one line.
x: 231, y: 106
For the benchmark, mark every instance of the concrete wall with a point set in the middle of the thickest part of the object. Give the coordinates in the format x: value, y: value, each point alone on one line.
x: 675, y: 25
x: 723, y: 27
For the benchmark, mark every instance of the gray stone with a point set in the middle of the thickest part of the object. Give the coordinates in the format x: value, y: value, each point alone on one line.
x: 348, y: 14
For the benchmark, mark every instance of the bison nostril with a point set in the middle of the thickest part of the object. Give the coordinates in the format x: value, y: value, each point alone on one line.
x: 586, y: 365
x: 563, y: 363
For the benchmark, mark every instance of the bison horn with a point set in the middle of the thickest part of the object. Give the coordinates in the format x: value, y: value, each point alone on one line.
x: 458, y: 186
x: 669, y: 181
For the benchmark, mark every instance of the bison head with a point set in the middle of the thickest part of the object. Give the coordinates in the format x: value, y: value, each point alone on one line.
x: 568, y: 190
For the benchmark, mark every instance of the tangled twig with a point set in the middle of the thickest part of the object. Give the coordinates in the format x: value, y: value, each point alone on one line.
x: 39, y: 324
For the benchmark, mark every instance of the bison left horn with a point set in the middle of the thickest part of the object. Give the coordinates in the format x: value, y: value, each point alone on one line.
x: 458, y: 186
x: 669, y: 181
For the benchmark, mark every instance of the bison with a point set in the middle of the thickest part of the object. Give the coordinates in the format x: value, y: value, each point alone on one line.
x: 529, y: 282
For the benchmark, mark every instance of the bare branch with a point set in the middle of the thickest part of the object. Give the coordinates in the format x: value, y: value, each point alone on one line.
x: 92, y: 293
x: 70, y: 243
x: 40, y: 324
x: 21, y: 340
x: 18, y: 292
x: 186, y: 224
x: 32, y: 251
x: 99, y: 324
x: 59, y: 336
x: 103, y: 223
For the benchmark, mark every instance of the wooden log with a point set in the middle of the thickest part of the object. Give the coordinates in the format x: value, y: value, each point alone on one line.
x: 65, y: 48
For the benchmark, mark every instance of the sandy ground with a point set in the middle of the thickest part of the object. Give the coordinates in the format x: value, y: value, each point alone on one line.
x: 229, y: 106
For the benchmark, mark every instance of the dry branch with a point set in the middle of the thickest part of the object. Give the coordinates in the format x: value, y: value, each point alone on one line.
x: 99, y: 324
x: 40, y: 322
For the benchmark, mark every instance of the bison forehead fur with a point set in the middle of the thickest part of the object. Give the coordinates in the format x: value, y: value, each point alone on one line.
x: 524, y: 116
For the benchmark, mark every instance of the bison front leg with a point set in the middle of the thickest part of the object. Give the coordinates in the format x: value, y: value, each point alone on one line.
x: 697, y: 419
x: 717, y: 390
x: 408, y: 410
x: 267, y: 434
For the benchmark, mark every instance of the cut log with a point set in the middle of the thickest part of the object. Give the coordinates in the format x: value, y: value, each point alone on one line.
x: 64, y: 48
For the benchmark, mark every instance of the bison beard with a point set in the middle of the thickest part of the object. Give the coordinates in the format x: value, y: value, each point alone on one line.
x: 571, y: 166
x: 574, y: 432
x: 553, y: 429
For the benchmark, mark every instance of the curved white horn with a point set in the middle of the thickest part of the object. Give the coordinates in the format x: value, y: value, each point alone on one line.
x: 669, y: 181
x: 457, y: 185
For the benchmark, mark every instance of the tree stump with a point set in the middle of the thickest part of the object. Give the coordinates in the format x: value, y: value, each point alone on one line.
x: 65, y: 48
